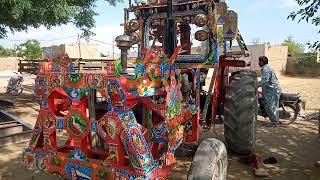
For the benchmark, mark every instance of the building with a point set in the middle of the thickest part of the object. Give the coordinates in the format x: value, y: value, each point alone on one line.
x: 84, y: 51
x: 276, y: 54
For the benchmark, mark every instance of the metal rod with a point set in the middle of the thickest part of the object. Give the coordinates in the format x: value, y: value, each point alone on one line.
x: 206, y: 104
x: 124, y: 56
x: 170, y: 31
x: 170, y: 10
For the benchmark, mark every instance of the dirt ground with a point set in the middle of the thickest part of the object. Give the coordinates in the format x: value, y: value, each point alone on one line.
x: 296, y: 146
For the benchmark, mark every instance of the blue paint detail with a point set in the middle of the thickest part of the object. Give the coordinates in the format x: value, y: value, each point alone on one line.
x: 124, y: 173
x: 125, y: 114
x: 229, y: 32
x: 71, y: 69
x: 160, y: 130
x: 60, y: 123
x: 114, y: 83
x: 44, y: 103
x: 140, y: 68
x: 225, y: 47
x: 139, y: 176
x: 37, y: 155
x: 220, y: 20
x: 163, y: 68
x: 78, y: 155
x: 56, y: 69
x: 133, y: 125
x: 83, y: 172
x: 216, y: 54
x: 161, y: 139
x: 148, y: 94
x: 94, y: 126
x: 75, y: 93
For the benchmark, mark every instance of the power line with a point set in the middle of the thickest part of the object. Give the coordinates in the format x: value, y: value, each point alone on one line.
x: 68, y: 37
x: 102, y: 42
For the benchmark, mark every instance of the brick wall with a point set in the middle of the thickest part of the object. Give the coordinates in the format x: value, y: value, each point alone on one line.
x: 277, y: 56
x: 291, y: 68
x: 9, y: 63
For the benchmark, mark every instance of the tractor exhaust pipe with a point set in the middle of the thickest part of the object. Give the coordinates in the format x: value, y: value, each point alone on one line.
x: 170, y: 38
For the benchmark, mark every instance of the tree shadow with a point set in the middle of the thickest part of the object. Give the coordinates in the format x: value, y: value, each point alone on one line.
x: 12, y: 167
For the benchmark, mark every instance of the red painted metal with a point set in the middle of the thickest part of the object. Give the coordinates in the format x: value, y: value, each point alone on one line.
x: 130, y: 146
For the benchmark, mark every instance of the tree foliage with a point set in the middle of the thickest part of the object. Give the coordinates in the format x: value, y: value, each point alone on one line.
x: 30, y: 49
x: 19, y: 15
x: 308, y: 12
x: 309, y: 60
x: 4, y: 52
x: 294, y: 47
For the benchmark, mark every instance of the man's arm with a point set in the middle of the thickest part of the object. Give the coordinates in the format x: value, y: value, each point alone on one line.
x: 265, y: 77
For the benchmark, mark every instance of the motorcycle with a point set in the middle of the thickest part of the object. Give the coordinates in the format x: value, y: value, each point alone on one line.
x: 289, y: 107
x: 14, y: 87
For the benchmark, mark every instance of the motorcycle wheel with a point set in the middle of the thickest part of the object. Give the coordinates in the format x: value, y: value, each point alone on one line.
x: 16, y: 90
x: 288, y: 113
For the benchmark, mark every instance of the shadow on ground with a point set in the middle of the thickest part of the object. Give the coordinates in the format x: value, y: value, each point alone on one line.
x: 296, y: 146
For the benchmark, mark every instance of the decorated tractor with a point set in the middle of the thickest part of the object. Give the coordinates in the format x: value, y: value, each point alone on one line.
x: 110, y: 124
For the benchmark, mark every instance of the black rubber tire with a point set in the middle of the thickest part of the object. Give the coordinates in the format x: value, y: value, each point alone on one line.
x: 16, y: 90
x: 210, y: 161
x: 283, y: 114
x: 240, y: 113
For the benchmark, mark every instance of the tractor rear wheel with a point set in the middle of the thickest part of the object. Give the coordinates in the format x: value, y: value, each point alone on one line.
x: 210, y: 161
x: 240, y: 112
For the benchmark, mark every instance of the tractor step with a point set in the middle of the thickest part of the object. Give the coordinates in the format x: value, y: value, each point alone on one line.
x: 7, y: 102
x: 13, y: 130
x: 10, y: 129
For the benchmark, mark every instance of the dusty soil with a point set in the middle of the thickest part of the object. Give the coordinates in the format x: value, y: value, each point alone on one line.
x: 296, y: 146
x: 307, y: 87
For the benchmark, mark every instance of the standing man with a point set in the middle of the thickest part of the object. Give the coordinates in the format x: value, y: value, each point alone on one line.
x: 271, y: 90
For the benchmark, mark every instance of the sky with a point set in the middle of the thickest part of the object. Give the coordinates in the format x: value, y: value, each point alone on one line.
x: 265, y: 20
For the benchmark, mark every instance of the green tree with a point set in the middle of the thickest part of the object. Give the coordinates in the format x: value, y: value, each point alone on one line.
x: 19, y: 15
x: 4, y: 52
x: 308, y: 12
x: 30, y: 49
x: 294, y: 47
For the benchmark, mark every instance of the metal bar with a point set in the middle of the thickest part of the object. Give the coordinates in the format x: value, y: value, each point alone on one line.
x: 242, y: 45
x: 170, y: 31
x: 232, y: 63
x: 206, y: 105
x: 216, y: 97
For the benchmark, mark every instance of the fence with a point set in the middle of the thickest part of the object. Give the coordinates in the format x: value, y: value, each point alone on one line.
x: 81, y: 65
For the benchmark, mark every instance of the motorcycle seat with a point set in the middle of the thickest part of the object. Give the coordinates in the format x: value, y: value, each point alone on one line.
x: 289, y: 97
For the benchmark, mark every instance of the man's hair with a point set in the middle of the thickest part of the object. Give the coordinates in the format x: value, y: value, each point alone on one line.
x: 264, y: 59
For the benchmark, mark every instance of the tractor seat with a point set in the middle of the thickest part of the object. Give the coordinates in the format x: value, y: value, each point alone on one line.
x: 289, y: 97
